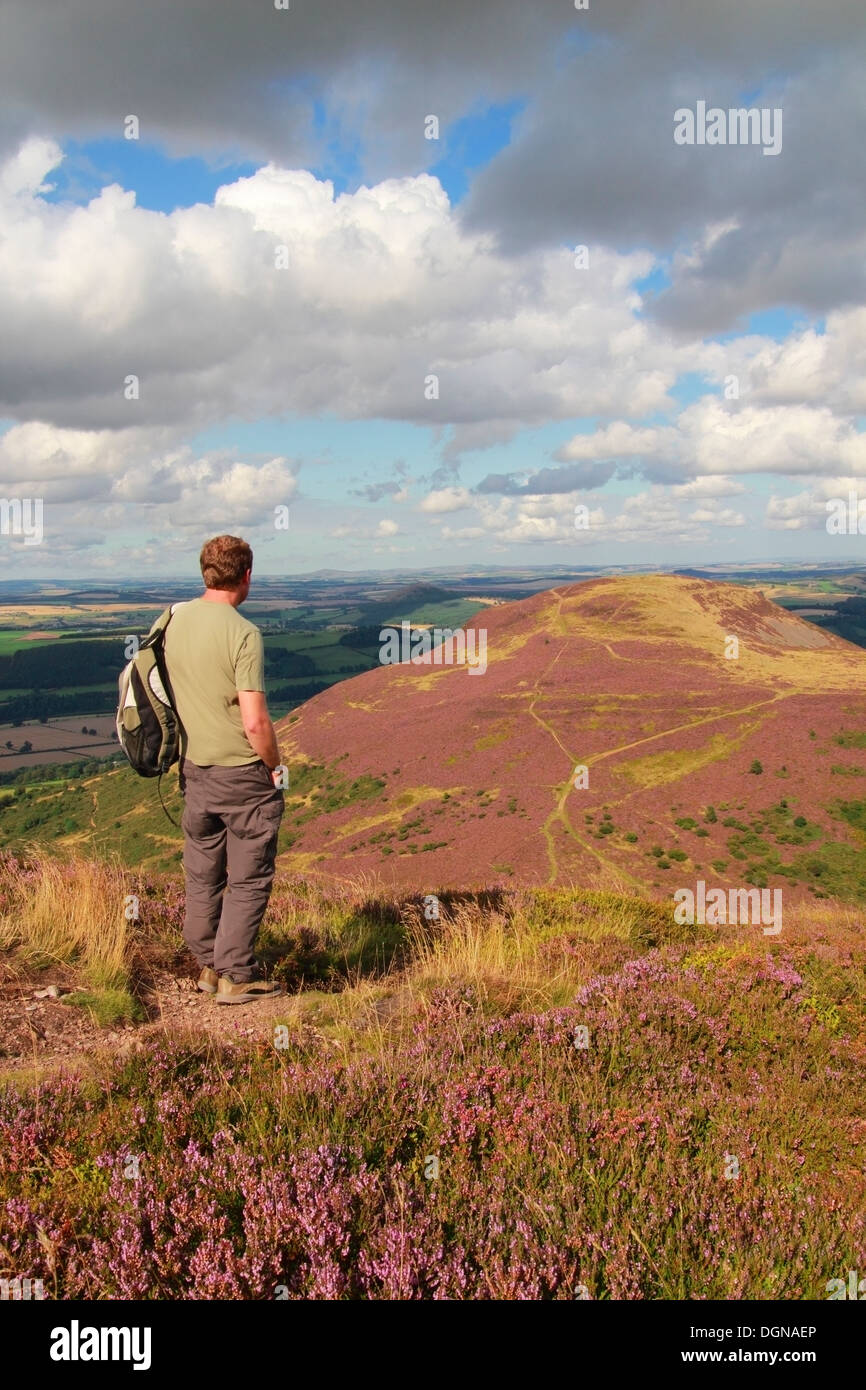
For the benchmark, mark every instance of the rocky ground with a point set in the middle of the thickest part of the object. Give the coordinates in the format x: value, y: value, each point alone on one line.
x: 40, y: 1031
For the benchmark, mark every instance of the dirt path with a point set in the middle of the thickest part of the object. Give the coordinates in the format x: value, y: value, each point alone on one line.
x: 693, y: 724
x: 559, y: 814
x: 43, y: 1036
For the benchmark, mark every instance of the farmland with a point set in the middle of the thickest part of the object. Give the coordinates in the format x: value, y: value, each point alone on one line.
x: 59, y: 660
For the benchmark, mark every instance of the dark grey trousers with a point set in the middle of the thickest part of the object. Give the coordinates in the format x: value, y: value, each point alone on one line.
x: 230, y: 821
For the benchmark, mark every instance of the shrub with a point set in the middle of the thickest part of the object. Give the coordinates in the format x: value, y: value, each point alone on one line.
x: 306, y: 961
x: 107, y: 1007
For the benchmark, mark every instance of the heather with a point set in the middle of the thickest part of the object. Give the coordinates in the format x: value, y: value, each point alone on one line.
x: 516, y: 1101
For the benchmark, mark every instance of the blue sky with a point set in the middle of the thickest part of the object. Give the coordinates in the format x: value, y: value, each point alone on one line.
x: 163, y: 182
x: 554, y: 131
x: 366, y: 451
x: 159, y: 182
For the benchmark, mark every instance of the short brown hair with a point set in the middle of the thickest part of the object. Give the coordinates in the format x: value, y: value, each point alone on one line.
x: 224, y: 562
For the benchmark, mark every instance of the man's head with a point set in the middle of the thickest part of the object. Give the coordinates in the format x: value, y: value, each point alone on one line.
x: 226, y: 564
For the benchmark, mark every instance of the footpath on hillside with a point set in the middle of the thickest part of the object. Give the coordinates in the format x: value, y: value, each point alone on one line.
x: 42, y: 1034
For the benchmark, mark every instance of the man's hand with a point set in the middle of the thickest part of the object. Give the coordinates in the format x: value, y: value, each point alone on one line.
x: 258, y: 726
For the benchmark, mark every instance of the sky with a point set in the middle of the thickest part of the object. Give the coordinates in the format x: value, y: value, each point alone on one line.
x: 377, y: 286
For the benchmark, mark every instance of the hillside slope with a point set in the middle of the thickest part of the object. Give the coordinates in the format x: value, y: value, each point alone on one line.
x: 743, y: 768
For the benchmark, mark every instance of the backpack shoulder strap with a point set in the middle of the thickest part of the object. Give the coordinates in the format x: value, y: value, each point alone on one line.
x: 155, y: 642
x: 158, y: 628
x: 156, y: 636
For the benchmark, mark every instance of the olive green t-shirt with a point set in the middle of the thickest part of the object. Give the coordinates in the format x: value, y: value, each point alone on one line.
x: 211, y: 653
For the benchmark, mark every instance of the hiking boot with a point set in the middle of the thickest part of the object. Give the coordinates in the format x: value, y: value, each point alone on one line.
x: 208, y: 981
x: 231, y: 991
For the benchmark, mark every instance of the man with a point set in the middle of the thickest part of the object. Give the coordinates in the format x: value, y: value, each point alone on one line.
x: 228, y: 774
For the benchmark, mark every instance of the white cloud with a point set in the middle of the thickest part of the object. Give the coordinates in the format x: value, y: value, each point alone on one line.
x: 820, y: 369
x: 96, y: 479
x: 653, y: 515
x: 25, y: 171
x: 617, y: 440
x: 807, y: 510
x: 384, y: 286
x: 446, y: 499
x: 708, y: 486
x: 381, y: 288
x: 722, y: 516
x: 463, y: 533
x: 715, y: 437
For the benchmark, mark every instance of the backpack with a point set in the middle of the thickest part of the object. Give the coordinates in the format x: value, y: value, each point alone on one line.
x: 148, y: 728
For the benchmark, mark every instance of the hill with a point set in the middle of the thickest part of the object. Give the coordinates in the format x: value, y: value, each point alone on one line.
x: 745, y: 767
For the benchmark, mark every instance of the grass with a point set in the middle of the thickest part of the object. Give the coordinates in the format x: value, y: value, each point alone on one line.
x: 316, y: 790
x: 72, y: 917
x: 581, y: 1068
x: 658, y: 768
x: 778, y: 844
x: 107, y: 1007
x: 118, y: 814
x: 68, y: 915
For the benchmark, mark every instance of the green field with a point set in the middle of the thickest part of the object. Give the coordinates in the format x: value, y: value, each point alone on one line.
x: 453, y: 614
x: 17, y: 641
x: 307, y: 649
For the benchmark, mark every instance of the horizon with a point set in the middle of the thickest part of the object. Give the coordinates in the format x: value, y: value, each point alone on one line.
x: 469, y: 573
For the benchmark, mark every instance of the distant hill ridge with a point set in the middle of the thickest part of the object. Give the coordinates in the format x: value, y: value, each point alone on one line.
x: 400, y: 603
x: 668, y: 690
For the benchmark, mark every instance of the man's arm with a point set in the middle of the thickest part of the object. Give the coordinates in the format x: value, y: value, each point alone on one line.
x: 258, y: 726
